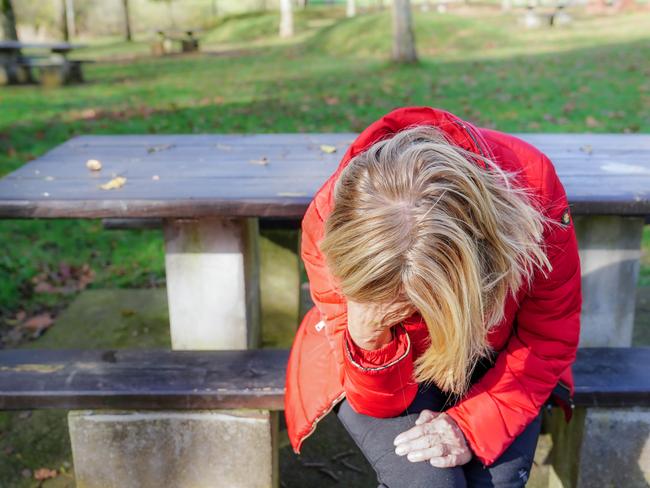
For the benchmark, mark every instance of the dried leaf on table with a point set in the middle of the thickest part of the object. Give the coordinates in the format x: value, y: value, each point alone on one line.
x: 328, y: 149
x: 262, y: 161
x: 93, y: 165
x: 160, y: 147
x: 114, y: 183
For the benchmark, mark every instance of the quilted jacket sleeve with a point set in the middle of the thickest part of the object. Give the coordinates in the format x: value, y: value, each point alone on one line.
x: 377, y: 382
x: 508, y: 397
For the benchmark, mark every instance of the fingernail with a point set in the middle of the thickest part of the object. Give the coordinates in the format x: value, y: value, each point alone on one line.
x: 397, y: 440
x: 413, y: 456
x: 400, y: 451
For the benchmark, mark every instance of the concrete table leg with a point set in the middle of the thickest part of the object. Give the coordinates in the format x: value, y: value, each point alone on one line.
x: 601, y: 447
x: 213, y: 291
x: 604, y: 447
x: 610, y: 253
x: 213, y: 283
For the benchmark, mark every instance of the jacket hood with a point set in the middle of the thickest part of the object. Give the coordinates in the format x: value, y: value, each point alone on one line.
x: 459, y: 132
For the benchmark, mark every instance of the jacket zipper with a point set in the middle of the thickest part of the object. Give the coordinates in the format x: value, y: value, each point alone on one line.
x: 317, y: 419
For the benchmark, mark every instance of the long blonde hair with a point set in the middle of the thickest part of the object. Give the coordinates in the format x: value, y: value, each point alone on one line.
x: 415, y: 217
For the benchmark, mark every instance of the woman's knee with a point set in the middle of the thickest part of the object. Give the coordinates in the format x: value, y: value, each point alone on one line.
x: 402, y: 473
x: 375, y: 436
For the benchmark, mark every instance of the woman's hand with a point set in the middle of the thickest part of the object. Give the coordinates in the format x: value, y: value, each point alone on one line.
x: 436, y: 438
x: 369, y: 324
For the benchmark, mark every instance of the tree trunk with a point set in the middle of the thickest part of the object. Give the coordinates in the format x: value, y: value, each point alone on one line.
x: 403, y: 38
x: 351, y: 9
x: 70, y: 18
x: 286, y: 18
x: 64, y: 20
x: 8, y: 20
x: 127, y: 21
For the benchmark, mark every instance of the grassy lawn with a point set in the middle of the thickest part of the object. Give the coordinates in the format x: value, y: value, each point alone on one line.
x: 590, y: 76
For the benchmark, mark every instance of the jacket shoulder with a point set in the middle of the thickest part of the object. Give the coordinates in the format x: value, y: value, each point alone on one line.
x: 536, y: 169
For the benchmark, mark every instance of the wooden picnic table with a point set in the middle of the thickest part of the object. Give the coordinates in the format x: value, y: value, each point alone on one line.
x: 54, y: 67
x: 163, y: 43
x: 210, y: 191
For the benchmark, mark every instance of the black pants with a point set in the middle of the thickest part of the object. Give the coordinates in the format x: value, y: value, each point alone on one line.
x: 374, y: 436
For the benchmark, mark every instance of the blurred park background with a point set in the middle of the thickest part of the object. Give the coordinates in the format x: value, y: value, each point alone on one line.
x: 517, y: 67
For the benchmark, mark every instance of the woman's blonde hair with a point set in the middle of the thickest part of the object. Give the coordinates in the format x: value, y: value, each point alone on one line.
x: 414, y: 217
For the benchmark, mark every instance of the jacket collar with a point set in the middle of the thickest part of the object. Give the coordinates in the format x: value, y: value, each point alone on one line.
x: 459, y: 131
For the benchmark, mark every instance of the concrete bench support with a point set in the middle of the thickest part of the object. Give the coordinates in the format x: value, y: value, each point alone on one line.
x: 604, y: 446
x: 181, y: 449
x: 610, y: 253
x: 212, y: 269
x: 601, y: 447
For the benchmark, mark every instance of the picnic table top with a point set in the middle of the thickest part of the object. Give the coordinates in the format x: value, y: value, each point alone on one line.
x: 52, y: 46
x: 275, y: 175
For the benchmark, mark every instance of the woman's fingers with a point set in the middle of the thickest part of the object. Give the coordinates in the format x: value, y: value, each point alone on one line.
x: 457, y: 457
x: 425, y: 442
x: 436, y: 451
x: 426, y: 416
x: 419, y: 430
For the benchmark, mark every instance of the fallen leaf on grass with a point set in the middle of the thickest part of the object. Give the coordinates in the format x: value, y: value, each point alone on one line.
x: 591, y: 121
x: 38, y: 322
x: 93, y: 165
x: 114, y: 183
x: 328, y: 149
x: 45, y: 474
x: 65, y: 279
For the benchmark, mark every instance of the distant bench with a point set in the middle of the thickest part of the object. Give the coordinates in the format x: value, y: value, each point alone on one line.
x: 165, y: 39
x: 56, y: 71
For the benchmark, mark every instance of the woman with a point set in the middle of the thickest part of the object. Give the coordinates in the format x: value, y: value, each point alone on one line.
x: 444, y: 269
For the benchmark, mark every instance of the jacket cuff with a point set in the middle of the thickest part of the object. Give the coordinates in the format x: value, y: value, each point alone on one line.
x: 384, y: 389
x: 366, y: 358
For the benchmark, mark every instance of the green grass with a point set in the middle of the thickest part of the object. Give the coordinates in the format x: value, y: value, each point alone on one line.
x: 591, y: 76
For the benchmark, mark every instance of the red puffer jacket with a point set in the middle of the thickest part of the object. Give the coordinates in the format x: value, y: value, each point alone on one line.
x: 536, y: 341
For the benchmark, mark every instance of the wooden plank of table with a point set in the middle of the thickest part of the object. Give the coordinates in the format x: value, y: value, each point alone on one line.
x: 276, y: 175
x: 163, y: 379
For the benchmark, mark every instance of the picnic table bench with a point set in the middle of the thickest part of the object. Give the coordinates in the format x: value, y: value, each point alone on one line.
x: 165, y: 39
x: 210, y: 192
x: 49, y: 59
x: 157, y: 381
